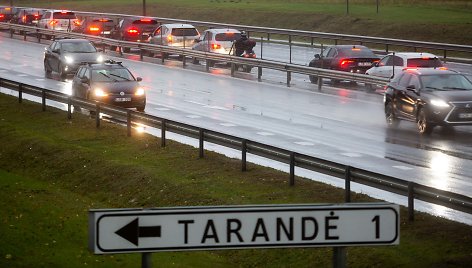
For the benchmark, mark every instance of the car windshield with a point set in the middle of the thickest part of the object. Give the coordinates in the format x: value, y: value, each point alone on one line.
x: 184, y: 32
x: 357, y: 52
x: 111, y: 75
x: 424, y: 63
x: 227, y: 36
x: 446, y: 82
x: 64, y: 15
x: 78, y: 47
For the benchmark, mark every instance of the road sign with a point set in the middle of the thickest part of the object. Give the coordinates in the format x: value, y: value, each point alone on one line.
x: 236, y: 227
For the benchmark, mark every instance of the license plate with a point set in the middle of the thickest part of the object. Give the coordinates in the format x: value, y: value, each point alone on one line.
x: 465, y: 115
x: 122, y: 99
x: 106, y: 32
x: 364, y: 64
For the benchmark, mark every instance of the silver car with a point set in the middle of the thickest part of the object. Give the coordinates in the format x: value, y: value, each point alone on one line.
x: 174, y: 35
x: 217, y: 41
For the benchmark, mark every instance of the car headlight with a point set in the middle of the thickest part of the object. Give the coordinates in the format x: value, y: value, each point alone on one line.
x: 139, y: 91
x: 100, y: 93
x: 69, y: 59
x: 100, y: 58
x: 439, y: 103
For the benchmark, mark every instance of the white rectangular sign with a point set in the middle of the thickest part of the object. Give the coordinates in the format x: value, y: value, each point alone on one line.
x: 272, y: 226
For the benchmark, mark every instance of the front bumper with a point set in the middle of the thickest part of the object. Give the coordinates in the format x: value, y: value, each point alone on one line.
x: 126, y: 101
x: 459, y: 114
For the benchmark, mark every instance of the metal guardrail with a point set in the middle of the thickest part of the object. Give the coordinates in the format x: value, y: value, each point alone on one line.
x: 235, y: 61
x: 348, y: 173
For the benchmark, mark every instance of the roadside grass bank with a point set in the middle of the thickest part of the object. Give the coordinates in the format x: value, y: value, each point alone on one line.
x: 53, y: 170
x: 435, y: 21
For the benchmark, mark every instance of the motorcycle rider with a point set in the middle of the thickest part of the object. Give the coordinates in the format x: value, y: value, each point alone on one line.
x: 243, y: 44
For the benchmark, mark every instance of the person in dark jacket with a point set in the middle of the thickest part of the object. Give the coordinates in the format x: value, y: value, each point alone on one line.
x: 243, y: 44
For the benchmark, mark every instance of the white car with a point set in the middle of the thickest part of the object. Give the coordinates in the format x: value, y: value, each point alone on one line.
x: 61, y: 20
x: 174, y: 35
x: 391, y: 64
x: 217, y: 41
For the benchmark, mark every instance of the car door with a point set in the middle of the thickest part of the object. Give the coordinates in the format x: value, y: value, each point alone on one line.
x: 380, y: 69
x: 328, y: 62
x: 200, y: 45
x: 49, y: 56
x: 407, y: 99
x: 317, y: 61
x: 77, y: 86
x: 156, y: 36
x: 44, y: 20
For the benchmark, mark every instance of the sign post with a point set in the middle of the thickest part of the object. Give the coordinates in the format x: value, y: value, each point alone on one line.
x: 239, y: 227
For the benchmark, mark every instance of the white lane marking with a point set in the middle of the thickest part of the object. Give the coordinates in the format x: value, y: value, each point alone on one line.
x: 403, y: 167
x: 162, y: 109
x: 216, y: 107
x: 59, y: 84
x: 39, y: 79
x: 304, y: 143
x: 227, y: 124
x: 265, y: 133
x: 195, y: 102
x: 193, y: 116
x: 22, y: 75
x: 351, y: 154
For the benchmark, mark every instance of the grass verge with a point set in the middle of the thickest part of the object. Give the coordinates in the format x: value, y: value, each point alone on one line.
x: 53, y: 170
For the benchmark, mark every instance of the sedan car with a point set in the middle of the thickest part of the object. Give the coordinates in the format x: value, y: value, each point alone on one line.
x: 133, y: 30
x: 395, y: 63
x: 216, y: 41
x: 347, y: 58
x: 66, y: 55
x: 98, y: 26
x: 174, y: 35
x: 109, y: 82
x: 429, y: 97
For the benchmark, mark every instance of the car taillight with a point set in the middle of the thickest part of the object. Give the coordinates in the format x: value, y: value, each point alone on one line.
x: 145, y: 20
x: 169, y: 38
x: 24, y: 18
x: 345, y: 62
x: 94, y: 29
x: 2, y: 16
x: 36, y: 16
x: 442, y: 68
x: 133, y: 31
x: 53, y: 22
x: 215, y: 46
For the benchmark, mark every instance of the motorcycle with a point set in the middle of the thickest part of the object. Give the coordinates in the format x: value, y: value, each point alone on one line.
x: 248, y: 53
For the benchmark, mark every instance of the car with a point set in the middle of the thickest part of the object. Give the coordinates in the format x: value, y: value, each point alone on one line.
x: 395, y: 63
x: 133, y: 30
x: 347, y: 58
x: 216, y: 41
x: 174, y: 35
x: 7, y: 13
x: 64, y: 56
x: 28, y: 16
x: 109, y: 82
x: 98, y: 26
x: 429, y: 97
x: 60, y: 20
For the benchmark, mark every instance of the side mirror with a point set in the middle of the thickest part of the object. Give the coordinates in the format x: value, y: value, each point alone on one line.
x: 412, y: 88
x: 317, y: 56
x: 198, y: 40
x: 56, y: 51
x: 139, y: 79
x: 375, y: 64
x: 84, y: 80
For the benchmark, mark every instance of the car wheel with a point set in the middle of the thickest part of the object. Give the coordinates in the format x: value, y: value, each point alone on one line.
x: 424, y: 127
x: 113, y: 48
x: 164, y: 55
x: 392, y: 120
x: 195, y: 61
x: 313, y: 79
x: 211, y: 63
x: 150, y: 54
x: 247, y: 69
x: 140, y: 108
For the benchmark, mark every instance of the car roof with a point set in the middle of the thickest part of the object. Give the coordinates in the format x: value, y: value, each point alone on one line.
x: 430, y: 71
x: 75, y: 40
x: 178, y: 25
x: 223, y: 30
x: 414, y: 55
x: 349, y: 46
x: 107, y: 64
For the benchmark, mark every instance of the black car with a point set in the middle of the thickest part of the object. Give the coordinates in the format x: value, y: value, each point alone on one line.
x: 98, y: 26
x: 347, y: 58
x: 66, y: 55
x: 133, y: 30
x: 28, y: 16
x: 109, y: 82
x: 429, y: 97
x: 7, y: 13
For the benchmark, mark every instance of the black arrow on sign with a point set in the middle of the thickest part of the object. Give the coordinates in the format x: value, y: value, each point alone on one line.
x: 132, y: 232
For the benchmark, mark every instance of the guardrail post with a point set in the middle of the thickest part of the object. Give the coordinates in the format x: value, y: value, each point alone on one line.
x: 312, y: 42
x: 290, y: 48
x: 289, y: 78
x: 335, y: 42
x: 38, y: 35
x: 163, y: 133
x: 320, y: 82
x: 201, y: 139
x: 20, y: 93
x: 233, y: 67
x: 24, y: 35
x: 184, y: 61
x: 43, y: 99
x: 411, y: 201
x: 386, y: 48
x: 268, y: 36
x: 11, y: 33
x: 207, y: 65
x: 262, y: 44
x: 141, y: 54
x: 243, y: 155
x: 97, y: 115
x: 259, y: 74
x: 292, y: 168
x: 128, y: 123
x: 414, y: 49
x: 445, y: 51
x: 146, y: 260
x: 347, y: 185
x: 69, y: 108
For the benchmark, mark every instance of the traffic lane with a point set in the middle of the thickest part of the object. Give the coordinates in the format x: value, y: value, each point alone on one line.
x: 329, y: 133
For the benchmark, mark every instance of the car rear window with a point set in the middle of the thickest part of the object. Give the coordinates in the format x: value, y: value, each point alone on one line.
x: 424, y: 62
x: 64, y: 15
x: 184, y: 32
x: 145, y: 22
x: 227, y: 36
x: 357, y: 52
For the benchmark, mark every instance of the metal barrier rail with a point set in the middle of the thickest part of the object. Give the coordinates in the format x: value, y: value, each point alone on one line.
x: 387, y: 183
x: 209, y: 56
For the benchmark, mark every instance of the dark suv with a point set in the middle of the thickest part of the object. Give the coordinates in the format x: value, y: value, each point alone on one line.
x: 134, y: 30
x: 109, y: 82
x: 96, y: 26
x: 429, y: 97
x: 347, y: 58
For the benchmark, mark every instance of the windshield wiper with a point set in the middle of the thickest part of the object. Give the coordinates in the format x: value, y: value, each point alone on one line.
x: 434, y: 88
x: 124, y: 78
x: 107, y: 76
x: 457, y: 88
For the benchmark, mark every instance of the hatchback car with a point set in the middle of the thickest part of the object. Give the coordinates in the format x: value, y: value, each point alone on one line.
x: 217, y: 41
x: 98, y: 26
x: 175, y: 35
x: 395, y: 63
x: 28, y: 16
x: 429, y: 97
x: 61, y: 20
x: 347, y: 58
x: 109, y: 82
x: 66, y: 55
x: 133, y: 30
